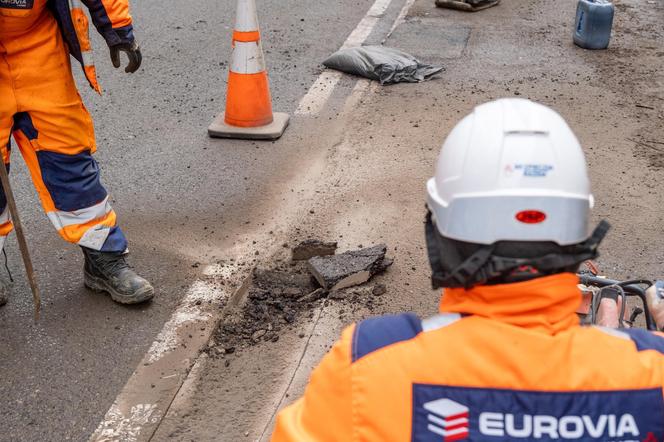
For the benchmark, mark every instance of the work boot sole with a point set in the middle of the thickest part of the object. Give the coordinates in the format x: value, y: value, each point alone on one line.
x: 100, y: 285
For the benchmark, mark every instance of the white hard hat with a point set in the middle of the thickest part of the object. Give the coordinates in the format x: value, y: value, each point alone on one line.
x: 512, y: 170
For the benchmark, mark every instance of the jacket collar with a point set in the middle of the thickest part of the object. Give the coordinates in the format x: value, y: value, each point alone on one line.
x: 546, y: 304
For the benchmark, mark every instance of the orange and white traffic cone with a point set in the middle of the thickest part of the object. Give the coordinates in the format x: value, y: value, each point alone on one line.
x: 248, y: 103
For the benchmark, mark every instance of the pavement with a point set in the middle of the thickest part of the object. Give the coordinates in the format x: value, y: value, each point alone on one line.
x: 353, y: 173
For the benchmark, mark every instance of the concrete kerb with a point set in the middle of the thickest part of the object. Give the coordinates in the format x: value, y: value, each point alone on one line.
x: 146, y: 397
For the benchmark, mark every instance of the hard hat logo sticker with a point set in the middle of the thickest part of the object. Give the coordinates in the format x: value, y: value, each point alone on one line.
x: 533, y: 170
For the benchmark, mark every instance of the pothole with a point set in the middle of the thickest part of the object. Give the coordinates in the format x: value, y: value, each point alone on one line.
x: 279, y: 298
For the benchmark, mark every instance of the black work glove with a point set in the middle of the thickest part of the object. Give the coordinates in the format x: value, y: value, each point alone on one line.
x: 133, y: 52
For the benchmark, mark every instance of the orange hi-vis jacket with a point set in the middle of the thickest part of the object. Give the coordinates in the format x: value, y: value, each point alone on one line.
x: 500, y: 363
x: 111, y: 18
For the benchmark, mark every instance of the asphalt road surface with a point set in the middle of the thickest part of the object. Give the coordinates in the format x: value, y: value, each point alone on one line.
x: 354, y: 174
x: 180, y: 199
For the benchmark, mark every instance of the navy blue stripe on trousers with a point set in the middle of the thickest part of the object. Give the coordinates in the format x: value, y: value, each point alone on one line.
x: 72, y: 180
x: 73, y: 184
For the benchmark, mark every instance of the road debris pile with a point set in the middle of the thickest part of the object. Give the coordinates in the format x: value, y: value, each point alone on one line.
x: 280, y: 294
x: 387, y: 65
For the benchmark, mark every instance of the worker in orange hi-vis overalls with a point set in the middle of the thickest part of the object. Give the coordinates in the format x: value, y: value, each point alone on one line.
x: 41, y: 108
x: 506, y: 359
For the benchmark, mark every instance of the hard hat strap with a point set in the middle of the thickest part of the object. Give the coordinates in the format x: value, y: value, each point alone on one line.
x: 483, y: 265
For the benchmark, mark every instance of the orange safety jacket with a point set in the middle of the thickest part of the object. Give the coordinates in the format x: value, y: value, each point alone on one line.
x: 500, y: 363
x: 110, y: 17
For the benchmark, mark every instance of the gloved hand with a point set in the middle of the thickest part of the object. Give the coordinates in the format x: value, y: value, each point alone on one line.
x: 133, y: 52
x: 655, y: 298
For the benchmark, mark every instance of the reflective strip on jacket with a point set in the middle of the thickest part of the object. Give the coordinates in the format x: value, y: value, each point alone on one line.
x: 505, y: 362
x: 110, y: 17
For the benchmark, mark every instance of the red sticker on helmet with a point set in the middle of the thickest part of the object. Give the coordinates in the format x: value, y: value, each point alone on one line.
x: 531, y: 216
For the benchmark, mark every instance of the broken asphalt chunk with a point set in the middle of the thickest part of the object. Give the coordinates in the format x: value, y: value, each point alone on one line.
x: 313, y: 247
x: 350, y: 268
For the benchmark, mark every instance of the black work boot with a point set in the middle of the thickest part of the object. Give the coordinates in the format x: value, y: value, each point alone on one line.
x: 109, y: 272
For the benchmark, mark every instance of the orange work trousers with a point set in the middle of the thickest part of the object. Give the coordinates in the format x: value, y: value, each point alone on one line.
x: 43, y: 111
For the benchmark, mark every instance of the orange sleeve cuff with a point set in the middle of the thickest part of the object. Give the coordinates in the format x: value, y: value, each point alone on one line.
x: 118, y: 12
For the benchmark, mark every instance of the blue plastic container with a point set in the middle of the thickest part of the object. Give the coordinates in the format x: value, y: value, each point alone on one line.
x: 594, y: 19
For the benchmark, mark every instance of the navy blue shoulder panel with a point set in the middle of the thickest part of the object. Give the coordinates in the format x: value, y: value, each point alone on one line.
x: 62, y: 14
x: 645, y: 340
x: 375, y: 333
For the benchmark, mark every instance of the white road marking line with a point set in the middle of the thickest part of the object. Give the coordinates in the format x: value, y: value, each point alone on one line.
x: 401, y: 18
x: 117, y: 426
x: 149, y: 391
x: 312, y: 103
x: 314, y: 100
x: 189, y: 310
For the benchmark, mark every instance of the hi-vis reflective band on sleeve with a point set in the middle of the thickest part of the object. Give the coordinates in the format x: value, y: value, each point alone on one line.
x: 82, y: 27
x: 16, y: 4
x: 446, y: 414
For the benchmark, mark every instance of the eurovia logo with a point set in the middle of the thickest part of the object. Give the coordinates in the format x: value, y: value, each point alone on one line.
x: 447, y: 414
x: 448, y: 419
x: 16, y: 4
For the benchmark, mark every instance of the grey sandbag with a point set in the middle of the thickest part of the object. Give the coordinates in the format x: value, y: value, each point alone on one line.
x: 387, y: 65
